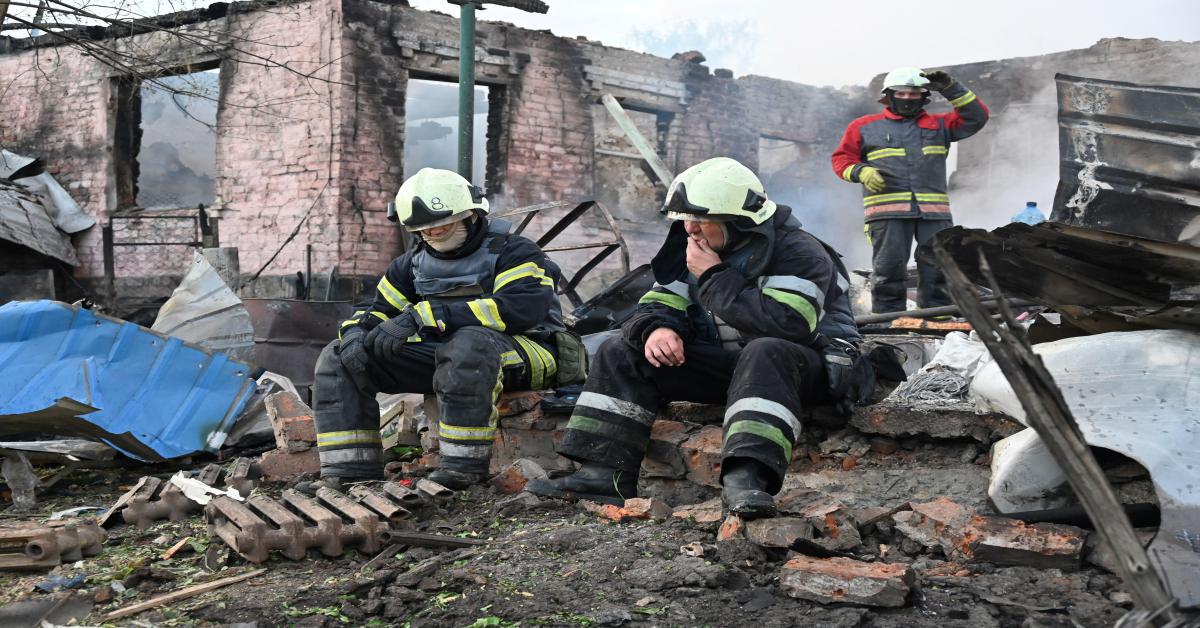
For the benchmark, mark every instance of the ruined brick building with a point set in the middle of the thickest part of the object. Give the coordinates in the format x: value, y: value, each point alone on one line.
x: 310, y: 134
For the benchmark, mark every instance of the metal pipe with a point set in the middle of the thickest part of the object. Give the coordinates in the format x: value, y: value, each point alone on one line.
x: 941, y: 310
x: 466, y: 88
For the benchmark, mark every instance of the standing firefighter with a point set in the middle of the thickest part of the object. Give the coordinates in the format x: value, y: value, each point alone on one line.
x: 899, y: 157
x: 746, y: 303
x: 469, y: 312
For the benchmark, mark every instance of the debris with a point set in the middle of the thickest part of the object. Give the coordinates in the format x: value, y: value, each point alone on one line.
x: 948, y: 375
x: 170, y: 553
x: 635, y: 508
x: 513, y: 478
x: 71, y: 512
x: 384, y: 554
x: 292, y: 421
x: 706, y: 512
x: 433, y: 490
x: 198, y: 491
x: 55, y: 582
x: 103, y: 594
x: 782, y: 532
x: 289, y: 335
x: 422, y: 539
x: 25, y: 221
x: 702, y: 455
x: 181, y: 594
x: 21, y: 480
x: 732, y: 528
x: 279, y: 465
x: 204, y: 311
x: 68, y: 448
x: 1043, y: 403
x: 691, y: 549
x: 30, y: 173
x: 32, y: 548
x: 97, y: 390
x: 842, y: 580
x: 252, y: 428
x: 941, y: 419
x: 57, y: 609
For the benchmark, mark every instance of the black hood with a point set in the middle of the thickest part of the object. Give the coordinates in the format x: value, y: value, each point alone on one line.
x: 670, y: 263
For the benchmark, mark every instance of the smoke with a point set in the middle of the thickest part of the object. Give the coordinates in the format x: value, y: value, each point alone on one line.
x: 1014, y: 159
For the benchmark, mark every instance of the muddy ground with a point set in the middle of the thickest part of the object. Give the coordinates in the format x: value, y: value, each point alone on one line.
x: 548, y: 563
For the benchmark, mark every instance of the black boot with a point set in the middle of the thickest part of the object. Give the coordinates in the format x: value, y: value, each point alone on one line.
x: 456, y: 480
x: 593, y: 482
x: 744, y: 489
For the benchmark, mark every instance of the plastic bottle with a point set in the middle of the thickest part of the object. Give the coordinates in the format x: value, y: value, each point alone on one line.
x: 1031, y: 215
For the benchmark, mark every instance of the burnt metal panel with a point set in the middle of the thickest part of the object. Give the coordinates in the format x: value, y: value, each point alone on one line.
x: 25, y: 220
x: 289, y: 334
x: 65, y: 370
x: 1129, y: 158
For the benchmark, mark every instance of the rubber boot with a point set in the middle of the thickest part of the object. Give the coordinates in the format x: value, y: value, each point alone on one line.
x: 456, y: 480
x: 744, y: 489
x: 593, y: 482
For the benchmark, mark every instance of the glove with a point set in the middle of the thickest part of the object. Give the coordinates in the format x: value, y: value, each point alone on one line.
x: 938, y: 80
x: 871, y: 179
x: 353, y: 352
x: 388, y: 338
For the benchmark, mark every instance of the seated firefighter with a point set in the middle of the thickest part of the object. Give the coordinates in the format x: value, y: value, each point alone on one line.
x: 745, y: 305
x: 469, y: 312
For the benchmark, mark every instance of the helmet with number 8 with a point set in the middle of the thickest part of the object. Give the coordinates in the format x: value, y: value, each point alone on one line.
x: 434, y: 197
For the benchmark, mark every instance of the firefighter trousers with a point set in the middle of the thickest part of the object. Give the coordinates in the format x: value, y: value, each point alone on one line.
x: 467, y: 372
x: 891, y: 245
x: 766, y: 386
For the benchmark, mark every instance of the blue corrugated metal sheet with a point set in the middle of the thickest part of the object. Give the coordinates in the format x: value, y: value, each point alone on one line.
x: 154, y: 396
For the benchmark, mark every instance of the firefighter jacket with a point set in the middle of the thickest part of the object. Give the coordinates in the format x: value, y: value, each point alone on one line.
x: 778, y: 281
x: 910, y: 153
x: 499, y: 281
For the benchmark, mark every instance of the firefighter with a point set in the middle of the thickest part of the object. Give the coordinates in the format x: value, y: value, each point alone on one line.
x: 469, y: 312
x: 744, y: 302
x: 899, y: 157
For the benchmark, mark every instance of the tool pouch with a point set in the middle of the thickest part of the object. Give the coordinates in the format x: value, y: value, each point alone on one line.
x: 572, y: 358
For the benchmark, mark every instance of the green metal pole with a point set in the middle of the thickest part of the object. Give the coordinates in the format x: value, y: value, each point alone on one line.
x: 466, y: 88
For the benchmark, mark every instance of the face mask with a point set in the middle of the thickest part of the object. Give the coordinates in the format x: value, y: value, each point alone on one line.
x: 907, y: 107
x: 448, y: 241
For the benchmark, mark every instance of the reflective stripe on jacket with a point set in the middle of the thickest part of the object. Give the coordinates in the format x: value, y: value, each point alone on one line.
x: 910, y: 153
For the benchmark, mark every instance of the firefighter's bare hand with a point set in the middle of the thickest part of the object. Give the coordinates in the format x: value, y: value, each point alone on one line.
x: 700, y: 257
x: 664, y: 347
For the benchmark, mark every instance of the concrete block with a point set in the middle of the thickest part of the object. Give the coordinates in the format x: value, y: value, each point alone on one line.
x: 899, y: 420
x: 842, y: 580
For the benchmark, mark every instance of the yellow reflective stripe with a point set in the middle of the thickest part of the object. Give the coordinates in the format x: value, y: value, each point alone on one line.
x: 541, y: 363
x: 528, y: 269
x: 867, y: 232
x: 347, y: 323
x: 510, y: 358
x: 846, y: 174
x: 932, y: 197
x: 885, y: 152
x: 802, y: 306
x: 348, y: 437
x: 965, y: 99
x: 424, y: 311
x: 380, y: 315
x: 488, y: 314
x: 454, y: 432
x: 670, y: 300
x: 391, y: 294
x: 879, y: 199
x: 934, y: 150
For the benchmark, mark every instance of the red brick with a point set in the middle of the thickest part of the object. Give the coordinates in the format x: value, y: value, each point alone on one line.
x: 702, y: 455
x: 280, y: 464
x: 514, y: 477
x: 636, y: 508
x: 963, y: 535
x: 292, y: 421
x: 732, y: 528
x: 519, y: 402
x: 842, y: 580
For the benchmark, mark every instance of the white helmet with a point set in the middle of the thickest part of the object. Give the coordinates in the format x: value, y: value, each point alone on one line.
x: 435, y: 197
x: 904, y: 77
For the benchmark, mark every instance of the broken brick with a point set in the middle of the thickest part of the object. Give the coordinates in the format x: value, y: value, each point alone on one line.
x: 512, y: 403
x: 1004, y: 541
x: 537, y: 445
x: 514, y: 477
x: 897, y: 420
x: 933, y: 524
x: 636, y: 508
x: 292, y: 421
x: 884, y: 446
x: 664, y: 459
x: 280, y: 464
x: 732, y: 528
x: 779, y: 531
x: 706, y: 512
x: 702, y: 455
x: 834, y: 580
